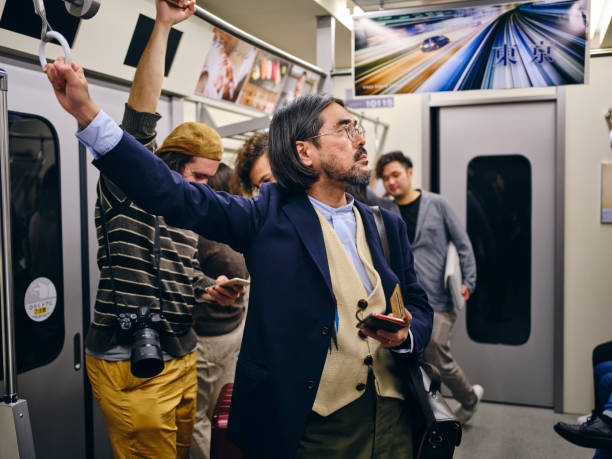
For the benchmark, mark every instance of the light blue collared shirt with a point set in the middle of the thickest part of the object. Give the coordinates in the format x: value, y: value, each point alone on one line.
x: 101, y: 135
x: 342, y: 220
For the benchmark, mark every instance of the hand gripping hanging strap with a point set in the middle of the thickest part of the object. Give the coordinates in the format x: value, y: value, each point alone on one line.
x: 47, y: 34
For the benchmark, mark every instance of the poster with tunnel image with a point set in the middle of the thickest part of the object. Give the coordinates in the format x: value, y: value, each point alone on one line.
x: 497, y: 46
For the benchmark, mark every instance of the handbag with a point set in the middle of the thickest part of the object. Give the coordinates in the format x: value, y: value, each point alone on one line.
x: 440, y: 433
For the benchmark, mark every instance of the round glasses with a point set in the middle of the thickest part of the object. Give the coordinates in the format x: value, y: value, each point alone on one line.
x: 351, y: 131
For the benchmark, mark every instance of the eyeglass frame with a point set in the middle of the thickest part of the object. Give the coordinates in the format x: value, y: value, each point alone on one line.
x: 357, y: 129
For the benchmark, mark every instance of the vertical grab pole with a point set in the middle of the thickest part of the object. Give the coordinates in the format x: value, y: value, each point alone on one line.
x: 16, y: 438
x: 6, y: 280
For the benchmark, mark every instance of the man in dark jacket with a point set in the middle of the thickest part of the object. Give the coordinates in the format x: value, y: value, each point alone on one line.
x: 307, y: 383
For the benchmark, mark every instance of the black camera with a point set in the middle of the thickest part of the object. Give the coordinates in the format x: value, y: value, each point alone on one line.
x: 146, y: 354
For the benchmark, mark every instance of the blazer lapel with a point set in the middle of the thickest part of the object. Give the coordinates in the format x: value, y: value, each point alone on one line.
x: 302, y: 215
x: 423, y: 209
x: 378, y: 258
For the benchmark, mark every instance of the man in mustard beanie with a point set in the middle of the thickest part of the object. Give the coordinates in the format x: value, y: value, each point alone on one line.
x: 151, y: 417
x: 193, y: 150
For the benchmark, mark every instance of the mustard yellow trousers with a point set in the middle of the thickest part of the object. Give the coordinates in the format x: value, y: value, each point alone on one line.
x: 151, y: 417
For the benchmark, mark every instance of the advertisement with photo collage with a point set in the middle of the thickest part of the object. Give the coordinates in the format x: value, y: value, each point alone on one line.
x: 265, y: 83
x: 241, y: 73
x: 226, y: 67
x: 299, y: 83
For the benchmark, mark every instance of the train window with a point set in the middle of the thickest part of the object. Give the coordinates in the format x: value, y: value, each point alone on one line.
x: 499, y: 226
x: 36, y: 240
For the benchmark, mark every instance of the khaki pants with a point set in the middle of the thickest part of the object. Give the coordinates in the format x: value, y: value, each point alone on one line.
x: 146, y: 418
x: 216, y: 364
x: 438, y: 354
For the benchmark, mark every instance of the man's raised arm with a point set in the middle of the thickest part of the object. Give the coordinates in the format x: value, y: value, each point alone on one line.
x: 70, y: 85
x: 146, y: 88
x: 232, y: 220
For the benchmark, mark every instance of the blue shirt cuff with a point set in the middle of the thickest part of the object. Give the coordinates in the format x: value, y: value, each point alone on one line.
x: 101, y: 135
x: 404, y: 350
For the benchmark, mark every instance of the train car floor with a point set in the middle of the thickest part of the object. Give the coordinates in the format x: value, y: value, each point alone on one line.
x: 499, y: 431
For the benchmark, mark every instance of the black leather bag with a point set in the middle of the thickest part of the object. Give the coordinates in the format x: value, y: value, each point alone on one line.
x: 440, y: 432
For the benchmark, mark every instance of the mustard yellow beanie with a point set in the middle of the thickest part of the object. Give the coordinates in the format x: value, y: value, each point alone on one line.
x: 194, y: 139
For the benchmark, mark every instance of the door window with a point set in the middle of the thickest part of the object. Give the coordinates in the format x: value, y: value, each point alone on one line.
x: 499, y: 226
x: 36, y: 240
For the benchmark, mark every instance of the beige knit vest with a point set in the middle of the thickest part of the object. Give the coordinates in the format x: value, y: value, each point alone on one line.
x: 345, y: 372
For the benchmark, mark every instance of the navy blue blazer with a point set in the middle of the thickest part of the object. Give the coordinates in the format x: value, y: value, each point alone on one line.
x: 290, y: 318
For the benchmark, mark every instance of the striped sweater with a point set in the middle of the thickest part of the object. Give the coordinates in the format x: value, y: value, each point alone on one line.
x: 131, y: 234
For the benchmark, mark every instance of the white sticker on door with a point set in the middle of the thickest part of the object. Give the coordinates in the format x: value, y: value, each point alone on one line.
x: 40, y: 299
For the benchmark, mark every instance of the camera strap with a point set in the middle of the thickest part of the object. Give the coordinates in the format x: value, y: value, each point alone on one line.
x: 156, y: 254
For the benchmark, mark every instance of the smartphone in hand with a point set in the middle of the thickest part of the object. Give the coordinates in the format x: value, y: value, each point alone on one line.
x: 381, y: 321
x: 235, y: 282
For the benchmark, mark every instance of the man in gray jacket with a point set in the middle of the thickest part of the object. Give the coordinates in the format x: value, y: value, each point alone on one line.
x: 431, y: 226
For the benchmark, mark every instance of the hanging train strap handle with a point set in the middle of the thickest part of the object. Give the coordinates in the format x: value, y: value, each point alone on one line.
x: 85, y: 9
x: 80, y: 8
x: 47, y: 34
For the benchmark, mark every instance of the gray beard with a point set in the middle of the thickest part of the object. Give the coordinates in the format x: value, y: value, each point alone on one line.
x: 352, y: 177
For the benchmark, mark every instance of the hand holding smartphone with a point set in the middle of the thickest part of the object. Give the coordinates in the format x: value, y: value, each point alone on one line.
x: 235, y: 282
x: 228, y: 294
x: 380, y: 321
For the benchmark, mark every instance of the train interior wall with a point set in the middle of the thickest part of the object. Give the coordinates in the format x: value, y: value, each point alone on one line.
x: 588, y: 243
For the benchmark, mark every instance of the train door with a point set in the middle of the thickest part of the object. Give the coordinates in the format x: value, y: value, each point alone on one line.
x: 46, y: 263
x: 496, y: 166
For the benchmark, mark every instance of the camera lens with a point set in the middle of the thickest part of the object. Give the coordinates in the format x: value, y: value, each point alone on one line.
x: 146, y: 359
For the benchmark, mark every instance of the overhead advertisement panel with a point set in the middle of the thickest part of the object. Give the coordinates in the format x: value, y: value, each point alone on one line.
x: 238, y: 72
x: 497, y: 46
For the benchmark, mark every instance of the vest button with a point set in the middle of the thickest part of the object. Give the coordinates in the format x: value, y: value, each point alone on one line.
x: 310, y: 383
x: 325, y: 331
x: 362, y: 304
x: 368, y: 360
x: 362, y: 335
x: 361, y: 386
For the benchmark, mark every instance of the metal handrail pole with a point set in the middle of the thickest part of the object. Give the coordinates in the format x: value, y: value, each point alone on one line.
x: 6, y: 279
x: 227, y: 27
